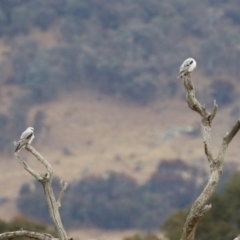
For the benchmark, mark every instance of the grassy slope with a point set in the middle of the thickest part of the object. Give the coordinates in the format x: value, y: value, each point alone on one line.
x: 86, y: 133
x: 105, y: 134
x: 99, y: 134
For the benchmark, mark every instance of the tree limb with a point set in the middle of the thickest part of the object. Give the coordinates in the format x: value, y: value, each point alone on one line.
x: 46, y: 181
x: 199, y: 207
x: 228, y: 138
x: 63, y: 186
x: 28, y: 168
x: 23, y: 233
x: 42, y: 160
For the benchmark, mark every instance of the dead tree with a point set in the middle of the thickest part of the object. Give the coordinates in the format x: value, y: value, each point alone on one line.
x: 53, y: 204
x: 199, y: 207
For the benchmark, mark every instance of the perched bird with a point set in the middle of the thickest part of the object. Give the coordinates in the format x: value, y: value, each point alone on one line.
x: 26, y: 138
x: 187, y: 66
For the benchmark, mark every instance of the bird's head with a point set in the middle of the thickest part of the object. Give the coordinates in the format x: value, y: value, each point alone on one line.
x: 30, y: 128
x: 191, y: 61
x: 192, y: 64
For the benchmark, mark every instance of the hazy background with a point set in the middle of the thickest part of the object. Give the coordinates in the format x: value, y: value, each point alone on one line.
x: 97, y: 81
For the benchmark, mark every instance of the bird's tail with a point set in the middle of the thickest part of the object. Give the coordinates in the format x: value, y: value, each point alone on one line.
x: 180, y: 75
x: 19, y: 146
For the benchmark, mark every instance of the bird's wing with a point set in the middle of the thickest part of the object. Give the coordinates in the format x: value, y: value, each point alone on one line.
x: 29, y: 136
x: 182, y: 70
x: 185, y: 65
x: 26, y: 134
x: 180, y: 75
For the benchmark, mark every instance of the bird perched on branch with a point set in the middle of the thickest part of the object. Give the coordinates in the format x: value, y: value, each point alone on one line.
x: 187, y: 66
x: 26, y: 138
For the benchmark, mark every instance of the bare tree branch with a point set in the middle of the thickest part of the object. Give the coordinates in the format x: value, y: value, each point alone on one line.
x: 28, y: 168
x: 41, y: 159
x: 46, y: 181
x: 214, y: 111
x: 199, y: 207
x: 228, y: 138
x: 63, y: 186
x: 23, y: 233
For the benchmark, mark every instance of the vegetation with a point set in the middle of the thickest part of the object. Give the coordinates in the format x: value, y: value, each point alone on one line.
x: 125, y: 49
x: 177, y: 181
x: 222, y: 224
x: 118, y: 202
x: 121, y: 47
x: 23, y: 223
x: 146, y: 237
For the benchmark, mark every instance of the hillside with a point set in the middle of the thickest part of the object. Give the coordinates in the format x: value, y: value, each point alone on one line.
x: 97, y: 81
x: 87, y: 133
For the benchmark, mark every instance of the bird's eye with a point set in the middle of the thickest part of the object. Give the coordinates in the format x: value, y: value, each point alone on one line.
x: 191, y: 62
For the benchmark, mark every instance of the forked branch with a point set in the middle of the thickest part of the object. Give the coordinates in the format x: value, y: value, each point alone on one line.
x: 63, y: 186
x: 53, y: 205
x: 199, y: 207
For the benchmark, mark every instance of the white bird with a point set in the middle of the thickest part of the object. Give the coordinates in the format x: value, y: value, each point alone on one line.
x: 26, y: 138
x: 187, y: 66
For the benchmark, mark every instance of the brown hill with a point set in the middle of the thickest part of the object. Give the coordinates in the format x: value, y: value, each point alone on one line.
x: 86, y: 133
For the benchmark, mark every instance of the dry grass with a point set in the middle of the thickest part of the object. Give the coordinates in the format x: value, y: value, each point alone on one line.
x: 86, y: 133
x: 105, y: 134
x: 9, y: 210
x: 98, y: 234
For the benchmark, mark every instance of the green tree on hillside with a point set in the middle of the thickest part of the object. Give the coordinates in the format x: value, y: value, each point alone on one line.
x: 118, y: 201
x: 122, y: 48
x: 222, y: 222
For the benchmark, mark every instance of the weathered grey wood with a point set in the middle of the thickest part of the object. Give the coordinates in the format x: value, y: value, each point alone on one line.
x: 199, y: 207
x: 63, y: 186
x: 23, y: 233
x: 46, y: 181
